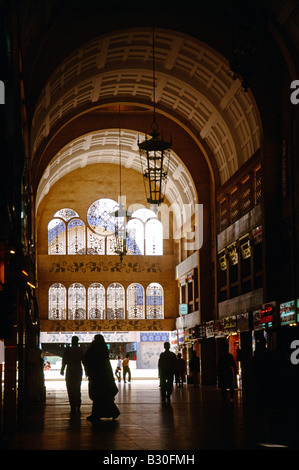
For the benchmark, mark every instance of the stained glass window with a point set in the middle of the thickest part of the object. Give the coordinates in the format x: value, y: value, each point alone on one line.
x: 154, y: 301
x: 76, y: 302
x: 66, y: 214
x: 76, y: 237
x: 135, y: 238
x: 100, y: 216
x: 153, y: 237
x: 96, y: 301
x: 56, y: 237
x: 135, y: 302
x: 115, y: 302
x: 57, y: 302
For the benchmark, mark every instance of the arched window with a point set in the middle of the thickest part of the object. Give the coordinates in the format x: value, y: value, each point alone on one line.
x: 76, y: 302
x: 115, y: 302
x: 56, y: 237
x: 96, y: 302
x: 154, y: 301
x: 57, y: 302
x: 135, y: 302
x: 135, y: 239
x: 153, y: 237
x: 76, y: 237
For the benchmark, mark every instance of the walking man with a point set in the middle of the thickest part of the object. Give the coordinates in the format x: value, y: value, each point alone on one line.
x: 72, y: 361
x: 167, y: 368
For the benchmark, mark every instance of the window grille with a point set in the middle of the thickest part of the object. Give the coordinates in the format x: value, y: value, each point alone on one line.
x: 96, y: 302
x: 57, y: 302
x: 56, y: 237
x: 154, y: 302
x: 76, y: 237
x: 115, y: 302
x: 76, y: 302
x: 135, y: 301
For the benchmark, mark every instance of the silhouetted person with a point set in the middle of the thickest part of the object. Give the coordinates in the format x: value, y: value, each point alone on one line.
x: 72, y: 361
x: 167, y: 368
x: 180, y: 370
x: 126, y: 368
x: 118, y: 369
x: 194, y: 366
x: 102, y: 387
x: 226, y: 370
x: 263, y: 364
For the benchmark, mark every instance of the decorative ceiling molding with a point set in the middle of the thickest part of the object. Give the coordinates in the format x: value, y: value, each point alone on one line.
x: 193, y: 82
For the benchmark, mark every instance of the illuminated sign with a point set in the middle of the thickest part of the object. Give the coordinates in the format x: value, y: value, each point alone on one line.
x: 288, y: 313
x: 245, y: 247
x: 183, y: 309
x: 266, y: 314
x: 233, y: 253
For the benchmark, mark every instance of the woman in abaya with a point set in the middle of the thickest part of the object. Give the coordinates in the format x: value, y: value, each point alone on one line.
x: 102, y: 387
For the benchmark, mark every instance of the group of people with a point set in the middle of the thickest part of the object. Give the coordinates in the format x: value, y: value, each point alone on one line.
x: 123, y: 365
x: 170, y: 366
x: 102, y: 387
x: 101, y: 384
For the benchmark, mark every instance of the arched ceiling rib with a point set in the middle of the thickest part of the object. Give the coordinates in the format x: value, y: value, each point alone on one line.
x: 103, y: 147
x: 193, y: 82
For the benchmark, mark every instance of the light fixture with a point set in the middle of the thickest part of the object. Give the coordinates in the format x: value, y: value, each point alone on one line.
x: 121, y: 215
x: 157, y: 153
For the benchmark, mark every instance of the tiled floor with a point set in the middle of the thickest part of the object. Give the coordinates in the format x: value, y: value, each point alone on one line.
x: 196, y: 419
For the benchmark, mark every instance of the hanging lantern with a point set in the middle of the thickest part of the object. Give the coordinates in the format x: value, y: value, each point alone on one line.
x: 157, y: 154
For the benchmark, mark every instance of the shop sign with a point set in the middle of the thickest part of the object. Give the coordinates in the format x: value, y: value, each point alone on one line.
x: 210, y: 329
x: 245, y: 246
x: 233, y: 253
x: 288, y: 314
x: 181, y: 337
x: 174, y: 338
x: 183, y: 309
x: 219, y: 328
x: 267, y: 315
x: 150, y: 337
x: 256, y: 320
x: 230, y: 323
x: 187, y: 335
x: 222, y: 260
x: 257, y: 235
x: 198, y: 332
x: 243, y: 322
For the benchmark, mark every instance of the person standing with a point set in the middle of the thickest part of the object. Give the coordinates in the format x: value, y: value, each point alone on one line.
x: 166, y: 367
x: 180, y: 371
x: 226, y: 370
x: 118, y: 369
x: 102, y: 388
x: 126, y: 368
x: 194, y: 366
x: 72, y: 361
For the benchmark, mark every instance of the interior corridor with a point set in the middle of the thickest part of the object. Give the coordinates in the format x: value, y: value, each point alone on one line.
x: 196, y: 419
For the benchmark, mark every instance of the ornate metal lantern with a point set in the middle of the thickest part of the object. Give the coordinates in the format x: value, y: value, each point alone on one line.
x: 157, y: 153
